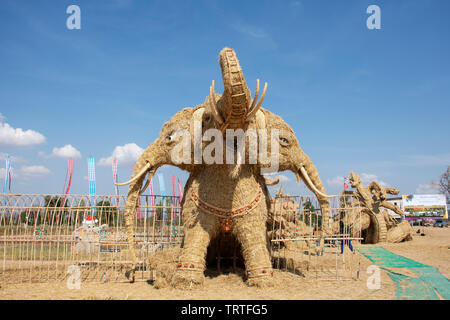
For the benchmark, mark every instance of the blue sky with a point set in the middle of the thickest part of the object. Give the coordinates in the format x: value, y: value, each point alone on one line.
x: 373, y: 101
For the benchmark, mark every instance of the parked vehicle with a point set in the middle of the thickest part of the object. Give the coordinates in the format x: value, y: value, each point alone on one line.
x: 440, y: 224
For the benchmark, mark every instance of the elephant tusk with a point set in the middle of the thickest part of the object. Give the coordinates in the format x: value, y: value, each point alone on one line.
x: 143, y: 171
x: 255, y: 98
x: 255, y: 109
x: 147, y: 183
x: 212, y: 104
x: 308, y: 180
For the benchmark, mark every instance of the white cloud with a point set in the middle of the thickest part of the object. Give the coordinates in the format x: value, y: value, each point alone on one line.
x: 337, y: 182
x: 366, y: 178
x: 127, y: 153
x: 34, y: 171
x: 68, y: 151
x: 25, y: 172
x: 18, y: 137
x: 431, y: 188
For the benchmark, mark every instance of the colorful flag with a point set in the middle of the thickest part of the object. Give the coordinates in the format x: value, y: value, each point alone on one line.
x: 180, y: 196
x: 114, y: 169
x: 138, y: 206
x: 70, y: 166
x: 152, y: 199
x: 180, y: 191
x: 69, y: 174
x: 162, y: 190
x: 174, y: 182
x: 345, y: 184
x: 91, y: 175
x: 7, y: 176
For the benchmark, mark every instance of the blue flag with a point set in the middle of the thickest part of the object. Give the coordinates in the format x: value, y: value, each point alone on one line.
x: 91, y: 175
x: 7, y: 175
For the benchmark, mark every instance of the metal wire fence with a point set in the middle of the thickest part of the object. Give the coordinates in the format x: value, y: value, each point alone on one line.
x: 43, y: 236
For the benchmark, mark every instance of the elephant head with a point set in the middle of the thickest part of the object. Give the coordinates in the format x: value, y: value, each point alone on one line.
x: 291, y: 157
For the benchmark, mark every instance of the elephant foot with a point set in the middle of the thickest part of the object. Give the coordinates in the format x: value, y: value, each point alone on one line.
x: 188, y: 279
x: 261, y: 278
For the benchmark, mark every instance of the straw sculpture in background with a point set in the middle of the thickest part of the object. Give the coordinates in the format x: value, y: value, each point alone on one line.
x: 221, y: 198
x: 364, y: 213
x: 283, y: 225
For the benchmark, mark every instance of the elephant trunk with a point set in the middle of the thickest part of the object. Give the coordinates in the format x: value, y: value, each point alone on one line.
x: 306, y: 170
x: 235, y: 108
x: 236, y: 99
x: 145, y: 163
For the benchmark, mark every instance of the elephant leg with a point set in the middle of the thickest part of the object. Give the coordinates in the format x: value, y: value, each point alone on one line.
x: 250, y: 230
x: 197, y: 235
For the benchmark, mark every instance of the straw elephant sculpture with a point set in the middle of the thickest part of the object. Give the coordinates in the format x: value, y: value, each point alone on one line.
x: 223, y: 198
x: 364, y: 213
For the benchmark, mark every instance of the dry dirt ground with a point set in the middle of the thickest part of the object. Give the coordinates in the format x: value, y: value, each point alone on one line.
x: 431, y: 249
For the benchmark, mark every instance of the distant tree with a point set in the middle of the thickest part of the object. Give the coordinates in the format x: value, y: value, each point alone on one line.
x: 54, y: 202
x: 309, y: 209
x: 106, y: 213
x: 54, y: 208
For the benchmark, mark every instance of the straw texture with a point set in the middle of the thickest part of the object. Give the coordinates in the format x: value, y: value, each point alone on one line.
x: 375, y: 224
x: 215, y: 189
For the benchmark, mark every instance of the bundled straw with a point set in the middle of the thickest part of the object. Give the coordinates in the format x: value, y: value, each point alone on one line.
x: 400, y: 232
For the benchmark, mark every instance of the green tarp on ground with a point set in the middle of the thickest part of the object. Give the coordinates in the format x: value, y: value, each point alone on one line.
x: 429, y: 280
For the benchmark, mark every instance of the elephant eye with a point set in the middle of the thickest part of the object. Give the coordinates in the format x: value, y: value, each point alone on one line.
x: 284, y: 141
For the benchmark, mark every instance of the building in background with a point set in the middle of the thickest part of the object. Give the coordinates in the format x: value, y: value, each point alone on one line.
x: 424, y: 207
x: 397, y: 201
